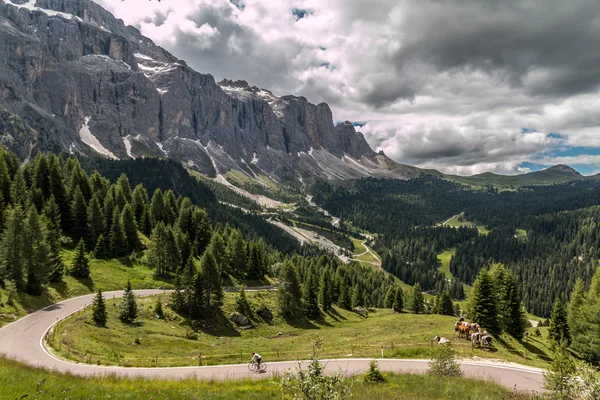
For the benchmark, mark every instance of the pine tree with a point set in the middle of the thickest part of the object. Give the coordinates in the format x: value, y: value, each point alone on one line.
x: 417, y: 303
x: 446, y: 306
x: 158, y: 253
x: 510, y: 308
x: 18, y: 189
x: 56, y: 264
x: 81, y: 266
x: 79, y: 214
x: 310, y: 294
x: 59, y: 191
x: 117, y: 239
x: 358, y: 298
x: 173, y: 254
x: 139, y: 203
x: 559, y: 328
x: 95, y: 219
x: 123, y: 183
x: 197, y: 297
x: 170, y: 209
x: 344, y: 299
x: 203, y: 230
x: 483, y: 307
x: 575, y: 314
x: 184, y: 245
x: 390, y: 296
x: 325, y: 297
x: 289, y: 294
x: 158, y: 309
x: 219, y: 251
x: 12, y: 249
x: 241, y: 302
x: 101, y: 250
x: 5, y: 182
x: 128, y: 310
x: 398, y: 303
x: 157, y: 207
x: 212, y: 279
x: 130, y: 228
x: 99, y: 314
x: 37, y: 253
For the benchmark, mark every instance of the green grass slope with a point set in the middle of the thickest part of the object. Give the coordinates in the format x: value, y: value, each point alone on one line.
x: 20, y: 381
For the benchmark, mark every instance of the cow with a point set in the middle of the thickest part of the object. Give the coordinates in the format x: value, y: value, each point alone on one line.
x: 442, y: 340
x: 463, y: 328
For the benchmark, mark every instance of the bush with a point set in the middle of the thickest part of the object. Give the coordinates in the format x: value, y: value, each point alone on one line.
x: 537, y: 333
x: 373, y: 375
x: 191, y: 335
x: 561, y: 377
x: 265, y: 313
x: 137, y: 341
x: 443, y: 362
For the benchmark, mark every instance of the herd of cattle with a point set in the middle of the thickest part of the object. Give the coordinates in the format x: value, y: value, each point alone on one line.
x: 471, y: 331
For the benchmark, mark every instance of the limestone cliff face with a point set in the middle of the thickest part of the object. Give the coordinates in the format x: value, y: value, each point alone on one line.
x: 88, y: 84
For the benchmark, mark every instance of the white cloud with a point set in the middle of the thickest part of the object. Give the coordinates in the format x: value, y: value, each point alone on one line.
x: 445, y: 85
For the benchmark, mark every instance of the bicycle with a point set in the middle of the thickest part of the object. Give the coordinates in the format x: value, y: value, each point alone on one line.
x: 256, y: 367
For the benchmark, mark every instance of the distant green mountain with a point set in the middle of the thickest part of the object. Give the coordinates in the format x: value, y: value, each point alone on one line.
x: 552, y: 175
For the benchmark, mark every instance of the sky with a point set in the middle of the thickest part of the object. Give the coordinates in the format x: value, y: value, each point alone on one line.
x: 464, y: 86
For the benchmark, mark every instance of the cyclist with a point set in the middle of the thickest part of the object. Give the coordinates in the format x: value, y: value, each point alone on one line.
x: 256, y: 358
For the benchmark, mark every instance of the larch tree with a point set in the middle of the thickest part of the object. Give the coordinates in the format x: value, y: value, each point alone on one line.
x: 310, y: 294
x: 289, y: 294
x: 417, y: 303
x: 558, y: 330
x: 212, y: 279
x: 130, y: 228
x: 483, y: 306
x: 12, y: 249
x: 398, y: 303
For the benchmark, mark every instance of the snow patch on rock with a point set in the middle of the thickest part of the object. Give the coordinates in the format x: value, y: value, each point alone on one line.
x: 127, y: 143
x: 30, y: 5
x: 88, y: 138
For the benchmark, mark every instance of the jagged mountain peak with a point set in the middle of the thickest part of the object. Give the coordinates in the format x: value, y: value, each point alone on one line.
x: 89, y: 85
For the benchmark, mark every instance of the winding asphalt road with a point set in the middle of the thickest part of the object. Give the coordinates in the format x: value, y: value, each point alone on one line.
x: 23, y: 340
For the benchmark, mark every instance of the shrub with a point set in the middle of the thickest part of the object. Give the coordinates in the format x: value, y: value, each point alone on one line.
x: 443, y: 362
x: 191, y: 335
x: 561, y: 377
x: 265, y: 313
x: 137, y: 340
x: 373, y: 375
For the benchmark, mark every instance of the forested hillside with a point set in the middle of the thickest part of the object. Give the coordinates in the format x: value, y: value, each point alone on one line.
x: 52, y: 207
x: 544, y: 234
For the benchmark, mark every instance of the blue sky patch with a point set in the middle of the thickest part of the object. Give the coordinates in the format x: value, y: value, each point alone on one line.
x: 300, y: 13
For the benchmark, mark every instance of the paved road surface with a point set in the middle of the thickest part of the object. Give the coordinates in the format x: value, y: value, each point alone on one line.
x: 22, y: 340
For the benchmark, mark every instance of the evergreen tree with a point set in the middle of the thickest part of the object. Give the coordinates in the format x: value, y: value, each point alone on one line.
x: 398, y: 303
x: 219, y: 251
x: 109, y: 211
x: 117, y: 239
x: 241, y: 302
x: 139, y: 203
x: 310, y: 294
x: 211, y: 277
x: 417, y: 303
x: 101, y: 250
x: 344, y: 299
x: 559, y: 328
x: 257, y: 262
x: 130, y: 228
x: 81, y: 266
x: 56, y: 264
x: 59, y: 191
x: 510, y: 308
x: 37, y: 253
x: 184, y: 245
x: 12, y: 249
x: 158, y: 253
x: 5, y: 181
x: 157, y: 207
x: 325, y: 296
x: 289, y: 294
x: 575, y: 314
x: 203, y: 230
x: 158, y: 309
x: 99, y: 185
x: 99, y: 314
x: 483, y: 307
x: 95, y: 219
x: 18, y: 189
x: 173, y: 254
x: 123, y: 183
x: 79, y: 214
x: 198, y: 297
x: 170, y: 210
x: 128, y: 309
x: 41, y: 176
x: 358, y: 298
x: 390, y: 296
x: 236, y: 248
x: 445, y: 304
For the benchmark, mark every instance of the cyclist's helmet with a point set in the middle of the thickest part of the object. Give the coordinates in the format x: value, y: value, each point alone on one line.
x: 253, y: 353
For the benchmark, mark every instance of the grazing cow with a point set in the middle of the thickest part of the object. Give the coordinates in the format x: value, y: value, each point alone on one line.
x: 475, y: 327
x: 486, y: 340
x: 442, y: 340
x: 463, y: 328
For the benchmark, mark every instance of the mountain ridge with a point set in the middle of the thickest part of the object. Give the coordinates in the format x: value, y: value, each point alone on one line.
x: 89, y: 84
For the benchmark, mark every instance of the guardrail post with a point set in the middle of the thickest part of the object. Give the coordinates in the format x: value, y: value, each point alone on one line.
x: 381, y: 351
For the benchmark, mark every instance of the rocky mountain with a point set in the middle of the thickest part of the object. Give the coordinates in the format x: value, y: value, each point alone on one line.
x: 87, y: 84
